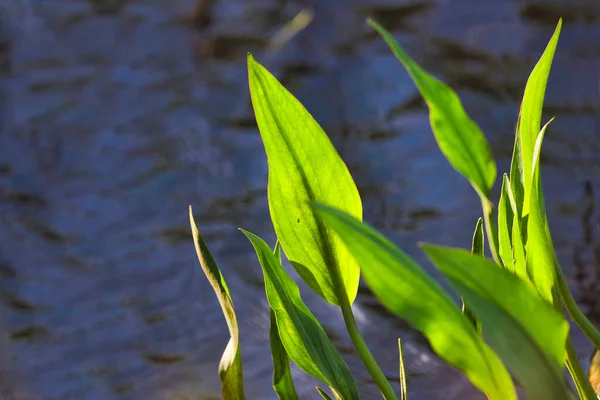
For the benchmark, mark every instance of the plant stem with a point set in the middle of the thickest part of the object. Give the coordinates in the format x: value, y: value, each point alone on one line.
x: 364, y: 352
x: 490, y: 228
x: 573, y: 309
x: 584, y: 388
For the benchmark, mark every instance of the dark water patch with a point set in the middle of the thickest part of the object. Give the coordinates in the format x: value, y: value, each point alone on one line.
x: 14, y: 302
x: 164, y: 359
x: 108, y: 6
x: 176, y: 235
x: 30, y: 333
x: 25, y: 199
x: 546, y: 14
x: 123, y: 388
x: 6, y: 271
x: 5, y: 169
x: 230, y: 48
x: 424, y: 213
x: 397, y: 16
x: 413, y: 103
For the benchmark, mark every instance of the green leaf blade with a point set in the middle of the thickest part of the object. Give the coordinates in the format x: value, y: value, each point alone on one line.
x: 302, y: 336
x: 505, y: 222
x: 529, y: 124
x: 283, y: 384
x: 423, y: 303
x: 458, y: 136
x: 541, y: 257
x: 230, y: 366
x: 525, y: 330
x: 304, y: 166
x: 282, y: 376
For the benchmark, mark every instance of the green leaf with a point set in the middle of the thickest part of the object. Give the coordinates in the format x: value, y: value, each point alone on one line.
x: 477, y: 246
x: 403, y: 387
x: 408, y: 291
x: 478, y: 241
x: 230, y: 367
x: 304, y: 166
x: 541, y: 257
x: 512, y: 248
x: 525, y: 330
x: 458, y: 136
x: 323, y: 394
x: 302, y: 336
x: 282, y: 376
x: 529, y: 123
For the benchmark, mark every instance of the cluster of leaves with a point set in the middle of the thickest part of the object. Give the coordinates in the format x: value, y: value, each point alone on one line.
x: 512, y: 323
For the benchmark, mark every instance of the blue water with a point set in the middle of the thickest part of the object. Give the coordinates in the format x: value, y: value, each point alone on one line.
x: 116, y: 115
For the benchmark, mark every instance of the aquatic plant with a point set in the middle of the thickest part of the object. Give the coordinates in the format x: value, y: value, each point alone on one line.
x: 512, y: 323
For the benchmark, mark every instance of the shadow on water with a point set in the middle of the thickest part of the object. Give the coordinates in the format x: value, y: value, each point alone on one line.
x: 116, y: 115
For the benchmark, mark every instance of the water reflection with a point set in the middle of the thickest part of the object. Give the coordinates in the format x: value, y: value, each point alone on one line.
x: 116, y: 115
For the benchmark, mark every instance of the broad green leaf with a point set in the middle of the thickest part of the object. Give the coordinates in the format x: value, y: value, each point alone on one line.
x: 541, y: 257
x: 458, y: 136
x: 408, y: 291
x: 525, y: 330
x: 282, y: 376
x: 403, y: 387
x: 304, y: 166
x: 477, y: 246
x: 230, y: 367
x: 302, y: 336
x: 505, y: 222
x: 323, y: 393
x: 529, y: 123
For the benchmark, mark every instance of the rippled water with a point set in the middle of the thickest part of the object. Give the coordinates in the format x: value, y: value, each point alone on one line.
x: 117, y: 114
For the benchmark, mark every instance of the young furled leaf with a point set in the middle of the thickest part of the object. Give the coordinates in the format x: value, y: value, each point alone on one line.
x: 230, y: 367
x: 323, y: 393
x: 477, y: 249
x: 529, y: 124
x: 403, y: 387
x: 409, y: 292
x: 302, y: 336
x: 304, y: 166
x: 524, y: 329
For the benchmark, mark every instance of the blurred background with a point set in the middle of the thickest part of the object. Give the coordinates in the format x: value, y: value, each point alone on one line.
x: 115, y: 115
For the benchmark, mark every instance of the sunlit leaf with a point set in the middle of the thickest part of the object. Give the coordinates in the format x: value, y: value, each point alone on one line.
x: 541, y: 257
x: 525, y: 330
x: 282, y: 376
x: 403, y: 387
x: 304, y: 166
x: 458, y: 136
x: 302, y: 336
x: 230, y: 367
x: 529, y: 124
x: 512, y: 248
x: 408, y: 291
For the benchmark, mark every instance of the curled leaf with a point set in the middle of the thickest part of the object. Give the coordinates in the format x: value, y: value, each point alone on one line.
x: 230, y: 367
